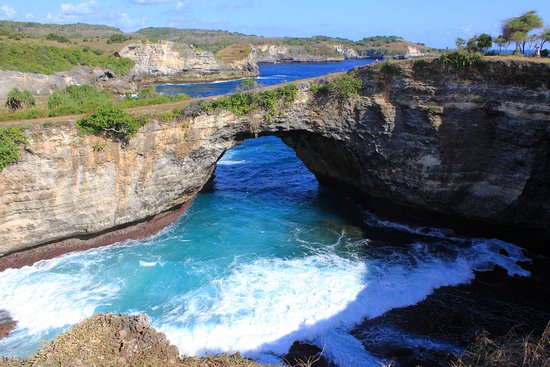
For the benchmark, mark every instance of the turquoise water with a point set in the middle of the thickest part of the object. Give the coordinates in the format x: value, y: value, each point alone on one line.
x: 270, y: 74
x: 262, y: 258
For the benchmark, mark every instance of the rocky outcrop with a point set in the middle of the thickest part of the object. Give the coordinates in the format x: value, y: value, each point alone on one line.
x: 108, y: 339
x: 167, y: 61
x: 470, y: 146
x: 44, y: 85
x: 270, y: 53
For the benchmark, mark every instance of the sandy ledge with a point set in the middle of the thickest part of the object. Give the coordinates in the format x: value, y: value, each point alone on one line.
x: 132, y: 232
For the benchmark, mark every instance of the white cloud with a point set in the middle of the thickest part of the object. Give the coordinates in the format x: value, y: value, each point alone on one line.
x: 146, y: 2
x: 30, y: 16
x: 181, y: 5
x: 75, y: 10
x: 125, y: 22
x: 7, y: 12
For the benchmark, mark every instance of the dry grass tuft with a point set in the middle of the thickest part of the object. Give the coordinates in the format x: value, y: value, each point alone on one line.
x: 509, y: 350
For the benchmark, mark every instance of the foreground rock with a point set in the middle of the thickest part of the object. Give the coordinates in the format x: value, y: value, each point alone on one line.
x: 455, y: 146
x: 117, y: 340
x: 6, y: 324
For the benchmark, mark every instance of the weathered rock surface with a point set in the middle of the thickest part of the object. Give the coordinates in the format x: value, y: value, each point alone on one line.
x: 44, y: 85
x: 167, y: 61
x: 472, y: 146
x: 270, y: 53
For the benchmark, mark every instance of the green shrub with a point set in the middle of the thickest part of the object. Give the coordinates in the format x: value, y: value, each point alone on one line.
x: 76, y: 99
x: 111, y: 123
x: 545, y: 53
x: 461, y: 59
x: 18, y: 99
x: 146, y: 97
x: 390, y: 69
x: 118, y: 38
x: 57, y: 37
x: 272, y: 101
x: 247, y: 84
x: 343, y: 87
x: 11, y: 138
x: 44, y: 59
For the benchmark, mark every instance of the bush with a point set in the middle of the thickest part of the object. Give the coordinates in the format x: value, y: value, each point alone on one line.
x: 18, y: 99
x: 461, y: 59
x: 57, y: 37
x: 11, y: 138
x: 76, y: 99
x: 111, y: 123
x: 272, y: 102
x: 118, y: 38
x: 545, y: 53
x: 343, y: 87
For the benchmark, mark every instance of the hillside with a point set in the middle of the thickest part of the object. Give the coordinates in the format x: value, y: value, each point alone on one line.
x: 214, y: 41
x: 67, y: 30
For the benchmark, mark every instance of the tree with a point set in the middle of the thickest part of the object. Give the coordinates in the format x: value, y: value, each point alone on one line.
x: 460, y: 43
x: 544, y: 37
x: 501, y: 42
x: 484, y: 42
x: 18, y: 98
x: 516, y: 29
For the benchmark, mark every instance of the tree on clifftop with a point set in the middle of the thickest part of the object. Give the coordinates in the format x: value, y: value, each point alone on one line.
x: 517, y: 29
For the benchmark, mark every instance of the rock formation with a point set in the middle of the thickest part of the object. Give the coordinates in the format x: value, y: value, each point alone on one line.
x: 467, y: 145
x: 167, y: 61
x: 44, y: 85
x: 270, y: 53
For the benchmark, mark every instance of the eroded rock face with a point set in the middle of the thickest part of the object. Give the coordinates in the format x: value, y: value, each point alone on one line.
x: 270, y: 53
x: 470, y: 146
x: 44, y: 85
x: 167, y: 61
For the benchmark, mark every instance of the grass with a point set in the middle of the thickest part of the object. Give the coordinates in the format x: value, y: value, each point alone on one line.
x: 40, y: 58
x: 79, y: 99
x: 509, y: 350
x: 236, y: 52
x: 343, y: 87
x: 273, y: 102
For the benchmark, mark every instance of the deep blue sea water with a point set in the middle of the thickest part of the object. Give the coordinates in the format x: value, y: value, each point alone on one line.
x: 270, y: 74
x: 263, y: 257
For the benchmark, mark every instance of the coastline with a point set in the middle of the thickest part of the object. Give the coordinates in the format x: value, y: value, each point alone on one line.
x: 133, y: 231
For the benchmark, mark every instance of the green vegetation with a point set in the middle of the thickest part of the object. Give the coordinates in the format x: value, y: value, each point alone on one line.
x: 78, y: 99
x: 18, y: 99
x: 272, y: 102
x: 461, y: 59
x: 57, y: 37
x: 517, y: 29
x: 111, y: 123
x: 11, y: 138
x: 35, y: 30
x: 215, y: 41
x: 247, y: 84
x: 342, y: 87
x: 43, y: 59
x: 118, y: 38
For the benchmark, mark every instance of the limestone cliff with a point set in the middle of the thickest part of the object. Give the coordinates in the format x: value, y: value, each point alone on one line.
x: 44, y: 85
x: 270, y: 53
x: 168, y: 61
x: 468, y: 145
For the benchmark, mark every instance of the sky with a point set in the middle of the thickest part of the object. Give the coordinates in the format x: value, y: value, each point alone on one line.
x: 436, y: 23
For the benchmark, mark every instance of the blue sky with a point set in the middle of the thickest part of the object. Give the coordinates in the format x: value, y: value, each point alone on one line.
x: 434, y: 22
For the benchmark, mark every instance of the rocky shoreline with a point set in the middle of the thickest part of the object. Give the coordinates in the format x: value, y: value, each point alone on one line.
x: 133, y: 231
